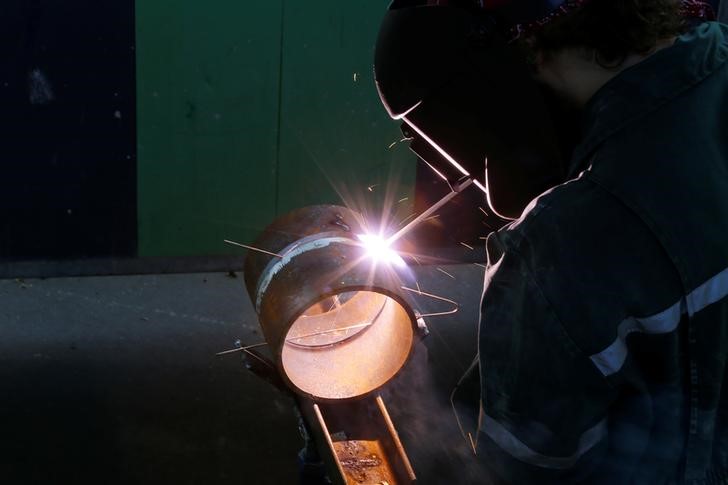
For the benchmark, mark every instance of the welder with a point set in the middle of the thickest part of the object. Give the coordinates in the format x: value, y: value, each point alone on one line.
x: 603, y: 339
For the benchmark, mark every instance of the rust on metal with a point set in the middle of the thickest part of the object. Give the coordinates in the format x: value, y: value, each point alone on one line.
x: 339, y: 326
x: 336, y: 327
x: 365, y: 447
x: 363, y: 462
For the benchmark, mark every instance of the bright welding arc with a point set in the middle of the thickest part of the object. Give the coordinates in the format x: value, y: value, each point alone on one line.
x: 379, y: 250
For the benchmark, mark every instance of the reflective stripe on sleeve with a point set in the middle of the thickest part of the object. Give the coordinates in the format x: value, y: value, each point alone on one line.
x: 610, y: 360
x: 712, y: 291
x: 522, y: 452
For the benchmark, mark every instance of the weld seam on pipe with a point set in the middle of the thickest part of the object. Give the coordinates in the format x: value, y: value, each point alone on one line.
x: 298, y: 249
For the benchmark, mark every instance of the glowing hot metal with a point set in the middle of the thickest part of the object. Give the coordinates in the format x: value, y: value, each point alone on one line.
x: 379, y: 250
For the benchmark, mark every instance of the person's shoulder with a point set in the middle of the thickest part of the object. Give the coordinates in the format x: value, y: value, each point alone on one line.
x: 556, y: 211
x: 576, y: 225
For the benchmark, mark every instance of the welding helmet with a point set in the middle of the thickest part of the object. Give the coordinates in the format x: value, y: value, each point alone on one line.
x: 451, y: 72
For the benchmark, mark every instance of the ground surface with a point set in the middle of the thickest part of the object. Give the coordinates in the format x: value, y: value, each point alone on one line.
x: 114, y: 380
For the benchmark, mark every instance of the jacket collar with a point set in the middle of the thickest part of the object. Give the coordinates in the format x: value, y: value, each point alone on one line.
x: 648, y: 85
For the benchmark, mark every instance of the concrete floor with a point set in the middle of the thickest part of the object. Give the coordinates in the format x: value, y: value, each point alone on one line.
x: 114, y: 380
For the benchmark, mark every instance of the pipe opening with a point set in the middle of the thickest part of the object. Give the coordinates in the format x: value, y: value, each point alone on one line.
x: 347, y: 345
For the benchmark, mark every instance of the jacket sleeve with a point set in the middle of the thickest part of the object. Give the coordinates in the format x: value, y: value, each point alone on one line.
x: 543, y: 416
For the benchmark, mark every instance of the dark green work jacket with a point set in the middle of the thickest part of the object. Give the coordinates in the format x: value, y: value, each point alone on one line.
x: 604, y: 330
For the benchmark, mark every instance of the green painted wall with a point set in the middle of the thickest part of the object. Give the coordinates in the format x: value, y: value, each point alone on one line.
x: 216, y: 81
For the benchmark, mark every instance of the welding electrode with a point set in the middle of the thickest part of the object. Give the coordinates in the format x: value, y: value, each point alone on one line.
x: 434, y: 208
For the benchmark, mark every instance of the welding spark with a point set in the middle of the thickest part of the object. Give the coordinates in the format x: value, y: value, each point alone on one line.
x: 336, y: 303
x: 399, y: 141
x: 252, y: 248
x: 473, y: 444
x: 469, y: 436
x: 407, y: 218
x: 467, y: 246
x: 242, y: 349
x: 402, y: 200
x: 379, y: 249
x: 371, y: 187
x: 486, y: 214
x: 247, y: 350
x: 445, y: 272
x: 480, y: 265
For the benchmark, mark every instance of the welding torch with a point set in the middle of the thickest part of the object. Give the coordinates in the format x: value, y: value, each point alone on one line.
x: 456, y: 189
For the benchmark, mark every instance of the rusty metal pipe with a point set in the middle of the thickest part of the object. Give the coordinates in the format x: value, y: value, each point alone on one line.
x: 338, y: 325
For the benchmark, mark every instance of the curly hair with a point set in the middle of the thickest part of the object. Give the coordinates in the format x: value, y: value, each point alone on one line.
x: 611, y: 29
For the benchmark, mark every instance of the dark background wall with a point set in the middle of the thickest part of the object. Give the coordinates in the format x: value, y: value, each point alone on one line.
x: 67, y: 130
